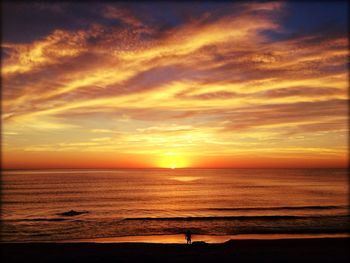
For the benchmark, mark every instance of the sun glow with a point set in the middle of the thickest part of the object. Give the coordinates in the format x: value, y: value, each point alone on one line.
x: 211, y: 89
x: 172, y: 161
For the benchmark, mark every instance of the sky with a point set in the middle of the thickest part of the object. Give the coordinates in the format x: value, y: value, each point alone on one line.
x: 174, y: 85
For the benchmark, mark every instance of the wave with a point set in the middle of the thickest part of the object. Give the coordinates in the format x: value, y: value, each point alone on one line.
x: 278, y: 208
x: 190, y: 218
x: 51, y: 228
x: 211, y: 218
x: 43, y: 219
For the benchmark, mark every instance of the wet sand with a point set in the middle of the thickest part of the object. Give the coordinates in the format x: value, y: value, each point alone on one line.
x: 278, y: 250
x: 211, y: 239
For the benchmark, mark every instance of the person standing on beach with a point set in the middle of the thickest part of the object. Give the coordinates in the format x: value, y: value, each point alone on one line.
x: 188, y: 237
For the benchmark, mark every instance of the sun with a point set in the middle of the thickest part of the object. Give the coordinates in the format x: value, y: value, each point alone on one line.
x: 172, y: 161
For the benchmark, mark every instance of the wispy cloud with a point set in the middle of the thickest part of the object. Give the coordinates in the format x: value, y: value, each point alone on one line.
x: 214, y: 82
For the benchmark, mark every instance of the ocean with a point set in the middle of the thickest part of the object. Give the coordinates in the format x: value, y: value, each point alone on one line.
x: 65, y: 205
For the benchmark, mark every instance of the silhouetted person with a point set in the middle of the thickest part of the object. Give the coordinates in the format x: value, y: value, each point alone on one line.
x: 188, y: 237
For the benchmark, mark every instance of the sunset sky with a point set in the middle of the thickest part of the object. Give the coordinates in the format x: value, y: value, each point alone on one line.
x: 171, y: 85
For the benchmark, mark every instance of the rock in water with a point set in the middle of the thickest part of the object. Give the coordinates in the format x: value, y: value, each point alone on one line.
x: 72, y: 213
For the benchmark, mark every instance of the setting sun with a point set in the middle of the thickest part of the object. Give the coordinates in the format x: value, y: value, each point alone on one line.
x: 172, y: 160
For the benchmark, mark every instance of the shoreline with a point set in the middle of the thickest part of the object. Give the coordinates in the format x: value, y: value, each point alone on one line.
x: 180, y: 238
x: 320, y: 250
x: 210, y: 239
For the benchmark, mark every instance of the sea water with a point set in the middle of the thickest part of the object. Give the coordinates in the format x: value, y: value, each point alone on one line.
x: 37, y: 204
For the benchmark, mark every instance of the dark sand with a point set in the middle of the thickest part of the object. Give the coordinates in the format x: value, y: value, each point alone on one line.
x: 285, y: 250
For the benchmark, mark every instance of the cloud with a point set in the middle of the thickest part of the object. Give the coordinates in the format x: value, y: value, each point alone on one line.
x: 171, y: 128
x: 202, y: 78
x: 112, y: 12
x: 302, y: 91
x: 101, y: 139
x: 102, y: 131
x: 291, y: 113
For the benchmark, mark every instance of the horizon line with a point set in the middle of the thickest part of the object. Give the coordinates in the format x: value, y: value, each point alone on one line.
x: 166, y: 168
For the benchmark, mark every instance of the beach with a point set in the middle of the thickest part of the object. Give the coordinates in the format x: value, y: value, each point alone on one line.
x: 277, y: 250
x: 142, y: 215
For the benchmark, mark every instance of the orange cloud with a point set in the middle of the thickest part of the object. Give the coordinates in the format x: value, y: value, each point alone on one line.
x: 214, y: 85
